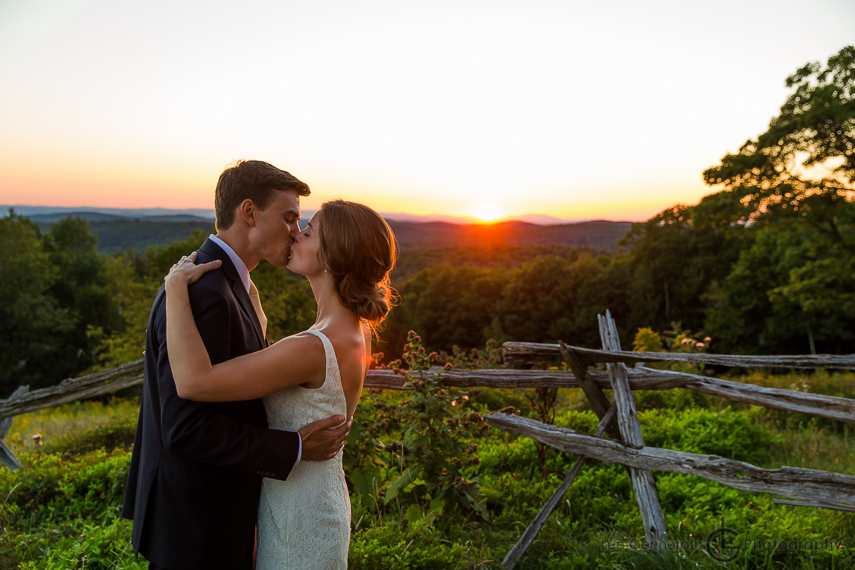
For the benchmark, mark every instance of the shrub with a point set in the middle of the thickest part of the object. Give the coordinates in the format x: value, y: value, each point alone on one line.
x: 429, y: 455
x: 51, y: 490
x: 734, y: 434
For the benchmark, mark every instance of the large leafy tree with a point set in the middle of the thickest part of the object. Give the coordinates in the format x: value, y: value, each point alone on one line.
x: 791, y: 188
x: 34, y: 323
x: 802, y: 168
x: 672, y: 258
x: 81, y: 287
x: 447, y: 306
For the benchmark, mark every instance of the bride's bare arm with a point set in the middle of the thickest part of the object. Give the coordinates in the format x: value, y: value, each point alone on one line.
x: 243, y: 378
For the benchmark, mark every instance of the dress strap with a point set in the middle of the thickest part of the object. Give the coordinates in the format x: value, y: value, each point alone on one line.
x: 329, y: 352
x: 324, y: 340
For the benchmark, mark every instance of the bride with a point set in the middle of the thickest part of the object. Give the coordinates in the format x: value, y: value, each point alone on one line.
x: 347, y: 252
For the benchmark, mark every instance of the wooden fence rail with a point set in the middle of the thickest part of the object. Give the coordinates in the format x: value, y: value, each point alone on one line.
x: 530, y: 352
x: 72, y: 389
x: 640, y: 378
x: 791, y: 482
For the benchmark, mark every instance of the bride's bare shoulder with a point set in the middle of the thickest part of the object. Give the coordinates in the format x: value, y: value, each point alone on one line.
x: 349, y: 346
x: 344, y: 340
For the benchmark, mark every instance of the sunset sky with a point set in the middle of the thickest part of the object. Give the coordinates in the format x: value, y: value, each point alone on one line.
x: 578, y: 110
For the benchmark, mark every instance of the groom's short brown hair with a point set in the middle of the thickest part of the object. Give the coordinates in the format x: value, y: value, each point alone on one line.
x: 255, y: 180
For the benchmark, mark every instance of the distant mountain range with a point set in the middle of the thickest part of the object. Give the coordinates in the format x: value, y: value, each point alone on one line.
x: 139, y: 229
x: 539, y: 219
x: 52, y: 214
x: 598, y: 234
x: 55, y: 213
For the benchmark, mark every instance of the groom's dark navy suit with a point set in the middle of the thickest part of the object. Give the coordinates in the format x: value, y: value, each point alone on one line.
x: 196, y: 471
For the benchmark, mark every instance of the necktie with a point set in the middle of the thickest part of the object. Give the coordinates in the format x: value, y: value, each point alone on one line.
x: 256, y: 303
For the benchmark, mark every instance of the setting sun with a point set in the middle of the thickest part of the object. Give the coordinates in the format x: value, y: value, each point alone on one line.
x: 487, y: 212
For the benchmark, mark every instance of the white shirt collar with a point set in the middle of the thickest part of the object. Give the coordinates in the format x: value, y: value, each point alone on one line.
x: 238, y: 262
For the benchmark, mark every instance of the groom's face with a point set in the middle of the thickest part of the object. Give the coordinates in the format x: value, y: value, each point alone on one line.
x: 276, y: 226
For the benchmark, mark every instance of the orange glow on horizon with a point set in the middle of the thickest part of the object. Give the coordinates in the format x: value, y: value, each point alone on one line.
x: 71, y: 182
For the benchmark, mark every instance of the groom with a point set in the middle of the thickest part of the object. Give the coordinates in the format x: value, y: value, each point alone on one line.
x: 196, y: 470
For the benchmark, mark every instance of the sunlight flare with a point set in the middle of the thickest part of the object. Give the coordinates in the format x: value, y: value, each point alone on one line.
x: 487, y: 212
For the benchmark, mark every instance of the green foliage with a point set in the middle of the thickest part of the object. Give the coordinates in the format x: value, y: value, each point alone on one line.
x: 453, y: 305
x: 726, y: 433
x: 81, y: 287
x: 83, y: 546
x: 52, y: 290
x: 538, y: 302
x: 58, y: 511
x: 488, y: 256
x: 676, y: 339
x: 791, y: 188
x: 417, y: 448
x: 118, y: 433
x: 53, y: 490
x: 815, y: 127
x: 440, y: 465
x: 70, y: 422
x: 757, y: 309
x: 488, y: 357
x: 33, y: 322
x: 418, y: 547
x: 647, y: 340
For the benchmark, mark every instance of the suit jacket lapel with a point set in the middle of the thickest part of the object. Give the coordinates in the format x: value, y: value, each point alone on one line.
x: 216, y: 252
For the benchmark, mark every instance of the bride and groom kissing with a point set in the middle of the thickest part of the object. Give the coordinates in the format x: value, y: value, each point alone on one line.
x: 235, y: 433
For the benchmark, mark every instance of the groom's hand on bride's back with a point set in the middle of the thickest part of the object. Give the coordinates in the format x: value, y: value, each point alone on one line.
x: 324, y: 438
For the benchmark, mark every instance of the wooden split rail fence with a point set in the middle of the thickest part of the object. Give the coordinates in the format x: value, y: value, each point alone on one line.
x: 618, y: 419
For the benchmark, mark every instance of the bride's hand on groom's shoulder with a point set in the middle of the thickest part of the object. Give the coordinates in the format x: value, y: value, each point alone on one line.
x: 186, y: 271
x: 323, y: 439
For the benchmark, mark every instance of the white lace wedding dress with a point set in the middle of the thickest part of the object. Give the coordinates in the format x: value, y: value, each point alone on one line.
x: 304, y: 521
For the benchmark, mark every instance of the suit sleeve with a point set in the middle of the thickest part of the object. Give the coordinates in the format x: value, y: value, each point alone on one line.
x: 195, y: 430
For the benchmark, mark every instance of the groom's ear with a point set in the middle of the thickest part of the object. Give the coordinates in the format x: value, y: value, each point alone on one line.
x: 247, y: 211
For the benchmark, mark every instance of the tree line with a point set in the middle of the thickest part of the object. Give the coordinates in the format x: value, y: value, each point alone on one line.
x: 764, y: 264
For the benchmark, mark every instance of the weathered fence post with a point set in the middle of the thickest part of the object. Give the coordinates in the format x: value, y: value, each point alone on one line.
x: 627, y: 419
x: 599, y: 403
x: 8, y: 458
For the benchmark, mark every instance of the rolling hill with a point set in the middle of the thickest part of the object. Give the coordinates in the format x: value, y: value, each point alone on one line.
x: 141, y: 229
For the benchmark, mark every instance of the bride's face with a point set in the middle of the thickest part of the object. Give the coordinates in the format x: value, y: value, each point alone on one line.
x: 305, y: 252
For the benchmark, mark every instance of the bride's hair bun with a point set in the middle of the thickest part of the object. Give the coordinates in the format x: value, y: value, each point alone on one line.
x: 358, y: 249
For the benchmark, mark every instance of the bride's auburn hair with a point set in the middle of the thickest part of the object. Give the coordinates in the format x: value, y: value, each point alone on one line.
x: 358, y: 250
